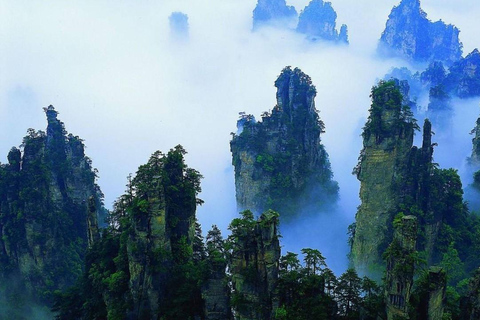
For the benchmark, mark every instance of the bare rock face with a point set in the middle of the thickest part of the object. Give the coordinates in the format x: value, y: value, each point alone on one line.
x: 411, y: 35
x: 49, y: 204
x: 475, y: 157
x: 280, y: 163
x: 463, y: 79
x: 400, y: 267
x: 254, y: 267
x: 318, y: 21
x: 272, y: 11
x: 388, y: 139
x: 216, y: 292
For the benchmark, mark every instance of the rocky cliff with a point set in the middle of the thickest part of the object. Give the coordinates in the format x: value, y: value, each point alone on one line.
x: 475, y: 156
x: 148, y: 264
x: 272, y: 11
x: 318, y: 22
x: 280, y: 163
x: 216, y: 291
x: 411, y: 35
x: 397, y: 177
x: 387, y: 141
x: 471, y: 303
x: 49, y: 203
x: 254, y: 265
x: 400, y: 267
x: 463, y: 79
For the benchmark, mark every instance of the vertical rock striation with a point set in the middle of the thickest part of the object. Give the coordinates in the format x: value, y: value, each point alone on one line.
x: 49, y: 204
x: 400, y: 267
x: 387, y: 141
x: 463, y: 79
x: 254, y: 266
x: 318, y: 21
x: 411, y: 35
x: 280, y: 163
x: 397, y: 177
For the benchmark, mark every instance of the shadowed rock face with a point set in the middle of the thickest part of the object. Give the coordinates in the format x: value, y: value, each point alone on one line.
x: 318, y: 21
x: 400, y: 268
x: 254, y: 268
x: 49, y: 204
x: 271, y: 11
x: 463, y: 79
x: 411, y: 35
x: 280, y: 163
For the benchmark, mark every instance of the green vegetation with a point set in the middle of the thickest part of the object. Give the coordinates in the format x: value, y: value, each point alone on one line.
x: 44, y: 190
x: 282, y: 157
x: 150, y: 261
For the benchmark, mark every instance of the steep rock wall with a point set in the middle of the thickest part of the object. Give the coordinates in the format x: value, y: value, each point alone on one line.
x: 280, y: 163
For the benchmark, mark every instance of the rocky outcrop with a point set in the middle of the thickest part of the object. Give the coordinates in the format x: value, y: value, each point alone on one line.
x: 216, y: 292
x: 411, y: 35
x: 92, y: 222
x: 280, y: 163
x: 463, y: 79
x: 475, y: 157
x: 48, y: 208
x: 398, y: 177
x: 437, y: 280
x: 254, y: 266
x: 272, y: 11
x: 471, y: 304
x: 400, y: 267
x: 318, y: 22
x: 387, y: 141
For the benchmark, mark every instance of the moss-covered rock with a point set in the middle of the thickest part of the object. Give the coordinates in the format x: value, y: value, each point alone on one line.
x: 280, y: 163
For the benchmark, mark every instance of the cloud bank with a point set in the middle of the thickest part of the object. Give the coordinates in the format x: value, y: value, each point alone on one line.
x: 121, y: 82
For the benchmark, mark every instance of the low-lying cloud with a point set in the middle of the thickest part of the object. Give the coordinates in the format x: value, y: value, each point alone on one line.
x: 119, y: 81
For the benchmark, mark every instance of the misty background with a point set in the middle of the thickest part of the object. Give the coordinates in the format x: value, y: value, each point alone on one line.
x: 124, y: 82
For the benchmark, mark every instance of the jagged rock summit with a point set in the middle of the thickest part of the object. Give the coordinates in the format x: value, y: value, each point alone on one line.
x: 463, y: 79
x: 411, y: 35
x: 318, y: 21
x: 280, y: 163
x: 49, y: 203
x: 271, y: 11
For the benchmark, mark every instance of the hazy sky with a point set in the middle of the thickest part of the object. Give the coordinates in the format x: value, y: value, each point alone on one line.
x: 122, y: 83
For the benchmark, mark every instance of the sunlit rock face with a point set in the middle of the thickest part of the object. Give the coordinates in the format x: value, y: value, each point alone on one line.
x: 387, y: 142
x: 280, y: 163
x: 318, y: 22
x: 411, y: 35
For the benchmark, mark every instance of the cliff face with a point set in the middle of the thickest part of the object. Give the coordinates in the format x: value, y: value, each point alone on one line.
x: 48, y: 201
x: 149, y: 262
x: 397, y: 177
x: 388, y: 139
x: 471, y: 305
x: 254, y: 265
x: 400, y: 267
x: 271, y: 11
x: 475, y: 157
x: 463, y: 79
x: 280, y: 163
x: 216, y: 291
x: 409, y: 34
x: 318, y: 21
